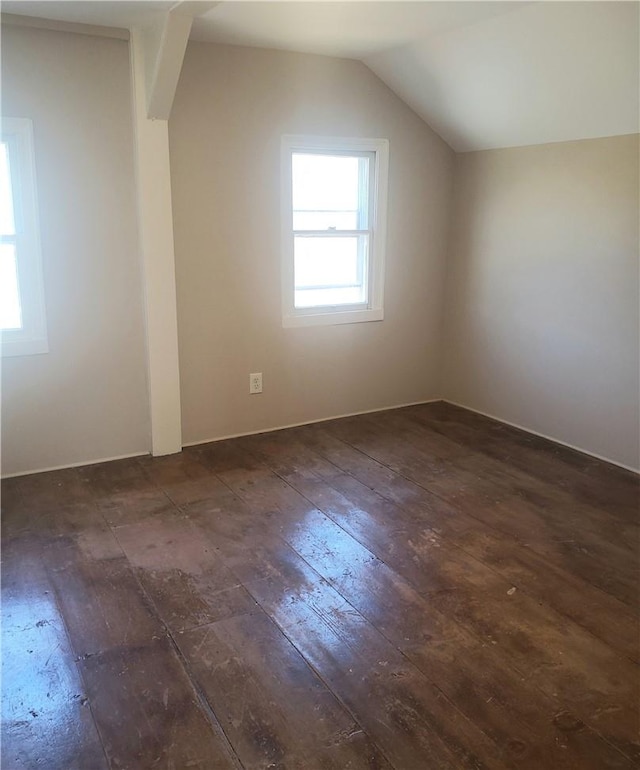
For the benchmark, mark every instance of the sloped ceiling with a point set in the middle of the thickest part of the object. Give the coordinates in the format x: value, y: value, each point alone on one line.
x: 482, y: 74
x: 350, y: 29
x: 547, y: 72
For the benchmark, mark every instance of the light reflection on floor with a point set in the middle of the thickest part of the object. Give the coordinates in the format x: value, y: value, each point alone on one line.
x: 328, y: 549
x: 42, y: 712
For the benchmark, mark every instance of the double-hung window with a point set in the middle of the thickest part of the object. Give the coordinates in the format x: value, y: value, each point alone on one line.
x: 334, y: 212
x: 23, y: 329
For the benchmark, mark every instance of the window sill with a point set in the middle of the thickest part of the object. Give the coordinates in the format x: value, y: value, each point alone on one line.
x: 21, y: 347
x: 331, y: 318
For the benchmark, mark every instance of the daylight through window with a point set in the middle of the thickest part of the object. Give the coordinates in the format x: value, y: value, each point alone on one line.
x: 22, y: 314
x: 333, y: 233
x: 10, y: 315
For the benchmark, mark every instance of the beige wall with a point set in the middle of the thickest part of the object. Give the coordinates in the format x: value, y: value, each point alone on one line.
x: 231, y: 108
x: 542, y: 308
x: 86, y: 399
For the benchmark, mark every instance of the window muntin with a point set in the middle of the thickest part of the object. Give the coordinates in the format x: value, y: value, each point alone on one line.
x: 22, y: 314
x: 334, y: 195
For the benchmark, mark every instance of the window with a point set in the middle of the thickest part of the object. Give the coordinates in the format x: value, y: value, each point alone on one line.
x: 22, y: 315
x: 334, y: 212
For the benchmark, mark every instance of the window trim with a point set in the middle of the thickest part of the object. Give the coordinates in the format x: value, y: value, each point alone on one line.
x: 32, y: 338
x: 337, y: 314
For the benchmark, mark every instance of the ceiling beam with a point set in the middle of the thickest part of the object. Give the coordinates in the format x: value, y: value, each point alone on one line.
x: 164, y: 61
x: 165, y: 43
x: 194, y: 8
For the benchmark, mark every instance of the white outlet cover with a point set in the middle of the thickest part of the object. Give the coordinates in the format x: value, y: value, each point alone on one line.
x: 255, y: 382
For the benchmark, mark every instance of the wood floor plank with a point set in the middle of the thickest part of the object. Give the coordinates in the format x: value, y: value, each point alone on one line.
x: 114, y: 477
x: 182, y: 477
x: 46, y: 715
x: 103, y: 604
x: 412, y: 722
x: 600, y: 613
x: 244, y: 665
x: 583, y: 476
x: 344, y: 497
x: 148, y: 713
x: 186, y: 580
x: 52, y: 503
x: 391, y: 605
x: 57, y: 519
x: 353, y: 572
x: 145, y: 709
x: 485, y: 473
x: 127, y: 507
x: 598, y: 561
x: 422, y: 587
x: 52, y: 489
x: 277, y: 564
x: 508, y: 618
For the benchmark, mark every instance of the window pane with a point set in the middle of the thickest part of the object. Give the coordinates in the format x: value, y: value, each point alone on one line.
x: 330, y: 191
x: 10, y: 315
x: 329, y: 297
x: 7, y: 225
x: 325, y: 262
x: 330, y: 271
x: 325, y: 220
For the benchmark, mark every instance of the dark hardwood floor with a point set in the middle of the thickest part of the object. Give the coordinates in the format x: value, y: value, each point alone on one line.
x: 419, y: 588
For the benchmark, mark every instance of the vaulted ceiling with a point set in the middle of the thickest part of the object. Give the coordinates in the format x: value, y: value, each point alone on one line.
x: 482, y: 74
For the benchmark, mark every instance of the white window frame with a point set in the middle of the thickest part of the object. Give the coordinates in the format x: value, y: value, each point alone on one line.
x: 373, y: 309
x: 32, y: 338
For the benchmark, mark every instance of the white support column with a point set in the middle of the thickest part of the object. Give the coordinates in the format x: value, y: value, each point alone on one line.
x: 155, y: 224
x: 157, y: 53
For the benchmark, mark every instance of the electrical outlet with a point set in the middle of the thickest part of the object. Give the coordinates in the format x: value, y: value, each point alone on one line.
x: 255, y: 382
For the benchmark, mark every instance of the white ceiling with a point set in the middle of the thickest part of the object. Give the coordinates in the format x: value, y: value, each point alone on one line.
x: 547, y: 72
x: 350, y: 29
x: 482, y: 74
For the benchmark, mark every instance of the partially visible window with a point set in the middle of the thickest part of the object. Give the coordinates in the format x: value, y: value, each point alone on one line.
x: 22, y: 313
x: 334, y: 208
